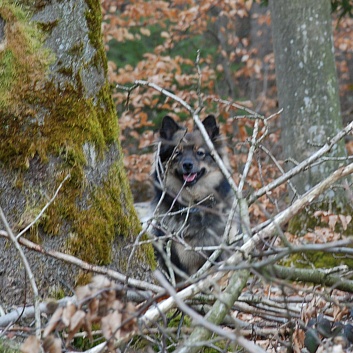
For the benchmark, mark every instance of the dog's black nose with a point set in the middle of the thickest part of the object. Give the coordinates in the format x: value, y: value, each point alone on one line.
x: 188, y: 166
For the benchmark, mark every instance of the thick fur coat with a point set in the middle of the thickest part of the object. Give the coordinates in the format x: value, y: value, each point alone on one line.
x: 192, y: 196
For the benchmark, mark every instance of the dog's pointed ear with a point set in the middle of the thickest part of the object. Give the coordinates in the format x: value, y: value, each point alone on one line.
x: 169, y: 128
x: 211, y: 126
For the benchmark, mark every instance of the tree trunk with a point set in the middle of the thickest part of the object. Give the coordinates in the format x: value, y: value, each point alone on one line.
x: 307, y: 83
x: 58, y: 119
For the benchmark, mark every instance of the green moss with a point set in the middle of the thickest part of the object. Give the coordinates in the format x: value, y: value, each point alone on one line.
x: 47, y: 27
x: 22, y: 55
x: 63, y: 132
x: 66, y: 71
x: 109, y: 213
x: 110, y: 129
x: 222, y: 346
x: 318, y: 259
x: 94, y: 20
x: 7, y: 75
x: 76, y: 49
x: 306, y: 221
x: 56, y: 293
x: 174, y: 318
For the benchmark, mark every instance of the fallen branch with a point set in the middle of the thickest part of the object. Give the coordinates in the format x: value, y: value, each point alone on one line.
x: 315, y: 276
x: 87, y: 266
x: 29, y: 311
x: 209, y: 324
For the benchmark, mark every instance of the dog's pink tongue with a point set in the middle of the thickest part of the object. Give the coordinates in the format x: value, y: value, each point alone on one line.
x: 189, y: 177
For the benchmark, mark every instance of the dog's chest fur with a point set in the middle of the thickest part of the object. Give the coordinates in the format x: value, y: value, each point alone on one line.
x: 193, y: 230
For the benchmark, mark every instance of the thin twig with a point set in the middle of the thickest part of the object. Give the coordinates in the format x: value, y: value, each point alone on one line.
x: 28, y: 270
x: 253, y: 146
x: 86, y: 266
x: 159, y: 89
x: 43, y: 209
x: 303, y: 165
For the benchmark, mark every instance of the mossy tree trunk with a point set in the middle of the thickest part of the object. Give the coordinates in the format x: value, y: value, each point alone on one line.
x: 58, y: 119
x: 307, y: 83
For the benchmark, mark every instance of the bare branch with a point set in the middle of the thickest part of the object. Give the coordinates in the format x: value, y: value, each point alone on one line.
x: 159, y: 89
x: 87, y: 266
x: 303, y: 165
x: 28, y: 271
x: 318, y: 276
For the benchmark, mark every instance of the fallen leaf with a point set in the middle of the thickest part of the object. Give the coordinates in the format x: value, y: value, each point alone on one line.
x: 332, y: 221
x: 83, y: 292
x: 76, y: 322
x: 31, y: 345
x: 345, y: 220
x: 52, y: 344
x: 53, y: 322
x: 100, y: 282
x: 68, y: 312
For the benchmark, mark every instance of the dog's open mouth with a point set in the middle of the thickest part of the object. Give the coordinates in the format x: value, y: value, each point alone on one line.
x: 192, y: 178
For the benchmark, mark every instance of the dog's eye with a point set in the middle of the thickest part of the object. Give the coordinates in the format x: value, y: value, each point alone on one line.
x: 201, y: 152
x: 177, y: 152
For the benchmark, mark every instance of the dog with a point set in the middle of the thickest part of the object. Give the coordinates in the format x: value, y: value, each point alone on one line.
x: 192, y: 197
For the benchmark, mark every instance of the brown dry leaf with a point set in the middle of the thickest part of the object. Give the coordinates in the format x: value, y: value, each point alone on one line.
x: 332, y: 221
x: 53, y: 322
x: 83, y: 292
x: 298, y: 340
x: 111, y: 325
x: 323, y: 215
x: 102, y: 308
x: 68, y: 312
x: 77, y: 320
x: 130, y: 318
x: 93, y: 306
x: 76, y: 323
x: 52, y: 344
x: 31, y: 345
x: 100, y: 282
x: 110, y: 296
x: 87, y: 326
x: 145, y: 31
x: 345, y: 220
x: 108, y: 302
x: 339, y: 313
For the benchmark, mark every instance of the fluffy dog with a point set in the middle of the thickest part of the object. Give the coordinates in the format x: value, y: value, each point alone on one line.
x: 192, y: 196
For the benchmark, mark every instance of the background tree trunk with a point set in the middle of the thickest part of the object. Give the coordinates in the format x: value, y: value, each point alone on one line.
x: 58, y: 119
x: 307, y: 83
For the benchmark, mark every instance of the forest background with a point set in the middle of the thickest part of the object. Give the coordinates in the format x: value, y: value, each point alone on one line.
x: 160, y: 42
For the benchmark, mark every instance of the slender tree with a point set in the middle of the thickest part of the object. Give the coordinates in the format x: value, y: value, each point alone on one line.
x: 307, y: 83
x: 59, y: 127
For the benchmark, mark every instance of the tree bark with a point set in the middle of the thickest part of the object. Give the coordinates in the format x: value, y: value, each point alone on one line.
x: 307, y: 83
x: 58, y: 119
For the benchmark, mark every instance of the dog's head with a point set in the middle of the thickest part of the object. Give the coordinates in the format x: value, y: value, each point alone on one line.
x: 189, y: 170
